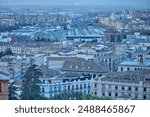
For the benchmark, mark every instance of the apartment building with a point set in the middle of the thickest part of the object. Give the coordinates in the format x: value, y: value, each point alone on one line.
x: 123, y: 85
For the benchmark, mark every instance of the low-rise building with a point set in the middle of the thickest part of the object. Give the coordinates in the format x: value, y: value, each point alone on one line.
x: 4, y: 80
x: 110, y: 59
x: 52, y: 86
x: 130, y: 85
x: 139, y: 63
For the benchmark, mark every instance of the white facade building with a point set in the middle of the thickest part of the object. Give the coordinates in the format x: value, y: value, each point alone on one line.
x: 53, y: 86
x: 128, y: 85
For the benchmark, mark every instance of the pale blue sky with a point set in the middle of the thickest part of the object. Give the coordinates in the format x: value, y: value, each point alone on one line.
x: 137, y: 3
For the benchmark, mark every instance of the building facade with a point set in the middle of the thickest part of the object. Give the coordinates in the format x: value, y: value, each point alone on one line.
x: 53, y: 86
x: 4, y: 91
x: 129, y: 85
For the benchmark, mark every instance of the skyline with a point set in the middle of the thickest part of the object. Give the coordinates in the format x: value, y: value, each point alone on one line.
x: 133, y: 3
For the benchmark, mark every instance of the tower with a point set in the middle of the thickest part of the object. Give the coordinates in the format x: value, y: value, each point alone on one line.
x: 141, y: 57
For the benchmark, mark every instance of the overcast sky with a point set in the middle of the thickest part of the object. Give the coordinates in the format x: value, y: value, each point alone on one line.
x: 137, y: 3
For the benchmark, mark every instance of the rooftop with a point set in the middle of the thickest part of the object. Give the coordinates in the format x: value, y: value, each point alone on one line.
x: 129, y: 77
x: 4, y: 76
x: 83, y: 66
x: 135, y: 63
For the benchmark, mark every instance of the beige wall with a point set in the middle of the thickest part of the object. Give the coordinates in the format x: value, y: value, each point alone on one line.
x: 4, y: 90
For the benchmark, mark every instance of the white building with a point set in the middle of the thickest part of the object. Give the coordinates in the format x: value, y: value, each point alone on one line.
x: 127, y: 85
x: 52, y: 86
x: 139, y: 63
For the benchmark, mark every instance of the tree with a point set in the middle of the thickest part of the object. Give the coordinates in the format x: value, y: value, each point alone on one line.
x: 8, y: 51
x: 1, y: 54
x: 30, y: 84
x: 68, y: 95
x: 12, y: 92
x: 90, y: 97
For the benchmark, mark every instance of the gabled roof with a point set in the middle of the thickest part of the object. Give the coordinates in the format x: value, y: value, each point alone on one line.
x: 83, y: 66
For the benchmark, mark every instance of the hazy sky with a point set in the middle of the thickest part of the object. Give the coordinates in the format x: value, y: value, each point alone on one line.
x: 137, y: 3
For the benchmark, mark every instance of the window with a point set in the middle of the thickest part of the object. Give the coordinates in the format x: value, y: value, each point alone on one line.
x: 144, y: 89
x: 84, y: 92
x: 144, y: 97
x: 76, y: 87
x: 136, y: 96
x: 103, y: 94
x: 68, y: 88
x: 128, y: 69
x: 122, y: 87
x: 116, y: 94
x: 109, y: 94
x: 84, y: 86
x: 121, y: 68
x: 136, y: 88
x: 129, y: 88
x: 0, y: 87
x: 116, y: 87
x: 80, y: 86
x: 43, y: 90
x: 109, y: 59
x: 95, y: 85
x: 95, y: 93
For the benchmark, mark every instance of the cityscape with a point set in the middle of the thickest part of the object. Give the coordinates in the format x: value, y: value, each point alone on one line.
x: 74, y: 50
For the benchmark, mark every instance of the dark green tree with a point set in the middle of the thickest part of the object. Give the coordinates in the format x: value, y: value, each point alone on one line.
x: 90, y: 97
x: 30, y: 84
x: 68, y: 95
x: 8, y: 51
x: 1, y: 54
x: 12, y: 92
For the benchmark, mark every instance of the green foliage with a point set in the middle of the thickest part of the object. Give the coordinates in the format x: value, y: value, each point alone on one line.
x: 30, y: 84
x: 68, y: 95
x: 6, y: 52
x: 12, y: 92
x: 90, y: 97
x: 1, y: 54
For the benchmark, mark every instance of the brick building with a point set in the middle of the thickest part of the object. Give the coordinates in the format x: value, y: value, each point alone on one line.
x: 4, y: 79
